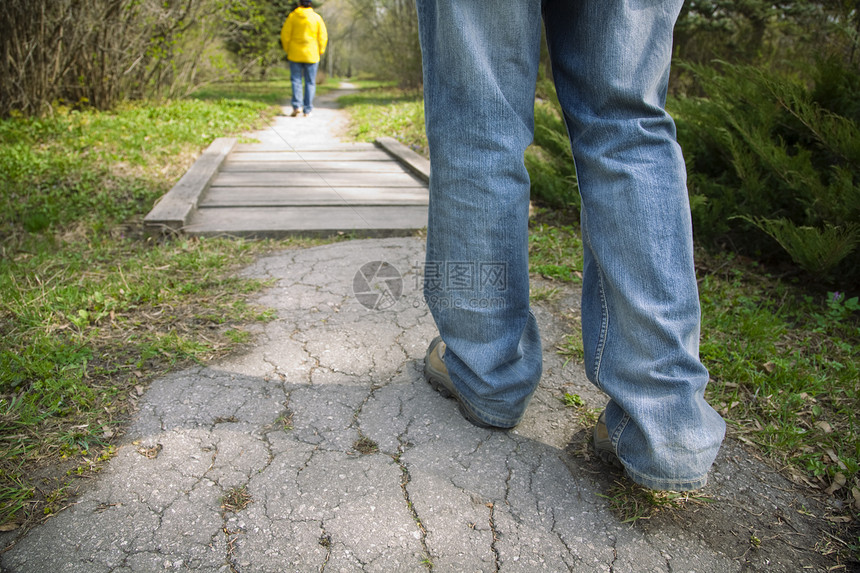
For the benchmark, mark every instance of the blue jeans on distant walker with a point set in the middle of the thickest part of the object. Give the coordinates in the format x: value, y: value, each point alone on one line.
x: 308, y: 72
x: 640, y: 309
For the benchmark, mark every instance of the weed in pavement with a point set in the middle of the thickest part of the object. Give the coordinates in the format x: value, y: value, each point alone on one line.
x: 365, y: 445
x: 236, y: 499
x: 541, y: 294
x: 632, y: 502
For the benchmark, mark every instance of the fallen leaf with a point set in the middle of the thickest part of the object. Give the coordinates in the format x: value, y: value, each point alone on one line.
x: 839, y: 518
x: 838, y: 481
x: 824, y: 426
x: 769, y: 367
x: 9, y: 526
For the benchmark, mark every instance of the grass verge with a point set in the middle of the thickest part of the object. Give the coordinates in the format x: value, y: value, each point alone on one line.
x: 272, y: 92
x: 91, y: 309
x: 784, y: 369
x: 387, y: 112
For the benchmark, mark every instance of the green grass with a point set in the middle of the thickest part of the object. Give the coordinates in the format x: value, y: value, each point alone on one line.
x: 555, y: 251
x: 632, y: 502
x: 270, y: 92
x: 87, y: 171
x: 784, y: 369
x: 90, y: 308
x: 387, y: 112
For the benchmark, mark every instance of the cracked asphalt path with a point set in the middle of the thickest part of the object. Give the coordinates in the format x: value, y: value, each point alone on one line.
x: 354, y: 463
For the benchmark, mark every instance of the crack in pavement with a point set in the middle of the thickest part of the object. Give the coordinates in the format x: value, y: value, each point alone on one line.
x: 404, y: 485
x: 495, y: 537
x: 325, y: 541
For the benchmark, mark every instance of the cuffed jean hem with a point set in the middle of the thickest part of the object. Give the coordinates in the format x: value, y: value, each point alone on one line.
x: 487, y: 418
x: 666, y: 484
x: 676, y: 467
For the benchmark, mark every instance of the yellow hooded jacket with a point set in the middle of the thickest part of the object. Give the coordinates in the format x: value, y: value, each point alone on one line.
x: 304, y: 36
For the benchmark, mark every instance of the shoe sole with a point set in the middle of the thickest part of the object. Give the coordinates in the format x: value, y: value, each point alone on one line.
x: 437, y: 383
x: 608, y: 458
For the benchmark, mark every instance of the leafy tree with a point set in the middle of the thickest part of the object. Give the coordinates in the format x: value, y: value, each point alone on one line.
x: 387, y: 36
x: 777, y: 35
x: 98, y: 52
x: 251, y: 34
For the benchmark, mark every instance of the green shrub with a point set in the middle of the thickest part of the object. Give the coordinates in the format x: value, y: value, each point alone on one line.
x: 549, y: 160
x: 773, y: 168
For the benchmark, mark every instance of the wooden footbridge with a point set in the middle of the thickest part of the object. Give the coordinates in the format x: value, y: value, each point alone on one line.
x: 298, y: 179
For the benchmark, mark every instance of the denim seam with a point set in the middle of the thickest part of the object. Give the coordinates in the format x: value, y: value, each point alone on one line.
x: 616, y: 434
x: 604, y: 327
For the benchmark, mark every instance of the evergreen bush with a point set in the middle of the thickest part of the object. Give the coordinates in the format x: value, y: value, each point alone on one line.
x: 549, y: 159
x: 774, y: 165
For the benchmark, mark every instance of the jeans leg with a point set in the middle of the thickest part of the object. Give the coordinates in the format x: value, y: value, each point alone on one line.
x: 310, y: 85
x: 640, y: 310
x: 480, y: 67
x: 296, y: 83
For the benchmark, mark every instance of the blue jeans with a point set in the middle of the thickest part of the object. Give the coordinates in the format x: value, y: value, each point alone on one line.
x: 309, y: 73
x: 640, y: 310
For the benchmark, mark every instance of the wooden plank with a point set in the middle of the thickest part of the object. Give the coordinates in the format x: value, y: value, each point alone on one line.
x: 414, y: 162
x: 236, y: 166
x: 315, y: 179
x: 368, y: 155
x: 316, y: 221
x: 223, y: 197
x: 276, y: 143
x: 176, y: 207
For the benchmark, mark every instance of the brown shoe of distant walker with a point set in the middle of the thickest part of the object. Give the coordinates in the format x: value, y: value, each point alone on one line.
x: 296, y: 112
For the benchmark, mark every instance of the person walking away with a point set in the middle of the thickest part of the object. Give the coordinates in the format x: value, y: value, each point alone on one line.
x: 640, y: 306
x: 304, y: 38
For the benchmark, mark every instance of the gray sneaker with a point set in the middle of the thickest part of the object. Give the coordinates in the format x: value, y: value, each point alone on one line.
x: 436, y: 374
x: 602, y: 444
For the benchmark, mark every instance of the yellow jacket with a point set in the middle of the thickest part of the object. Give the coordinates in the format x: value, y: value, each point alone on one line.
x: 304, y: 36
